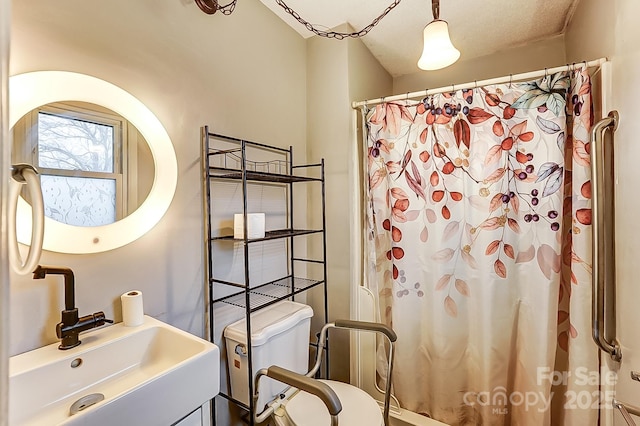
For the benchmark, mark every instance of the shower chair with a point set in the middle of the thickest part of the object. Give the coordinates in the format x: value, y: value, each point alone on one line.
x: 301, y: 404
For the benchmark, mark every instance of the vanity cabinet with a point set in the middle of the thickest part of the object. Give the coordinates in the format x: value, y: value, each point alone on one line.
x: 261, y: 263
x: 193, y: 419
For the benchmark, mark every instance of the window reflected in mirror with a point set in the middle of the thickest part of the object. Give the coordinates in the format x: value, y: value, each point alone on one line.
x: 95, y: 167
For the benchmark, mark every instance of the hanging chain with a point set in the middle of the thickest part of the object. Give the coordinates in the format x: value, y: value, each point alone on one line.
x: 334, y: 34
x: 211, y: 6
x: 228, y: 8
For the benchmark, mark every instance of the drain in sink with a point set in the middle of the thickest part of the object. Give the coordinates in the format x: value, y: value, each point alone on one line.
x: 85, y: 402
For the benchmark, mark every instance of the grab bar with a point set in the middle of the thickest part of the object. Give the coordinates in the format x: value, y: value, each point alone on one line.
x: 602, y: 240
x: 625, y: 410
x: 25, y: 174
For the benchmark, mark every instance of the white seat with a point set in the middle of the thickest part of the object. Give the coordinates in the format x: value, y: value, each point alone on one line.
x: 326, y: 402
x: 304, y: 409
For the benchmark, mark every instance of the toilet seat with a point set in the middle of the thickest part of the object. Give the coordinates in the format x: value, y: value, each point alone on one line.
x: 358, y: 408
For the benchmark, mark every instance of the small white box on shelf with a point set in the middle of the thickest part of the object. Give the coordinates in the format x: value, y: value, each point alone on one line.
x: 255, y: 225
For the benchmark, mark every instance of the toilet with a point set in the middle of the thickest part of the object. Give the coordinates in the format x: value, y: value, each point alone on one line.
x: 280, y: 336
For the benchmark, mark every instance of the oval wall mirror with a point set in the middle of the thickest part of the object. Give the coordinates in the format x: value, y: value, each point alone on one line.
x: 52, y: 91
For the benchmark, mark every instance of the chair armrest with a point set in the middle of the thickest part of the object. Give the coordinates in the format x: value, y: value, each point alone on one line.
x: 307, y: 384
x: 370, y: 326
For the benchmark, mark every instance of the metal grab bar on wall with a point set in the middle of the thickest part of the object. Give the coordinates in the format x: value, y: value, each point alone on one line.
x: 626, y: 410
x: 603, y: 277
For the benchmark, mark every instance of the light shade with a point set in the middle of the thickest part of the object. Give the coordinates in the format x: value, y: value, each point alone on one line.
x: 438, y: 51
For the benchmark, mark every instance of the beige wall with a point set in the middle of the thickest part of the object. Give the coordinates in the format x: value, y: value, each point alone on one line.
x: 534, y: 56
x: 611, y: 29
x: 338, y: 73
x: 243, y: 75
x: 328, y: 126
x: 5, y: 161
x: 591, y: 33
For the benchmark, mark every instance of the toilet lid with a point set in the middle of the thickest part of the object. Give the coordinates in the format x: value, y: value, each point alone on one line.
x: 358, y: 408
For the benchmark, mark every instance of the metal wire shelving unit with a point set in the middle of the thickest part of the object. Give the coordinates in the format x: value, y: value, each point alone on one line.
x: 231, y: 162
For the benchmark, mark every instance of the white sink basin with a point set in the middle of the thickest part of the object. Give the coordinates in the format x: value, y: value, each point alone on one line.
x: 153, y: 374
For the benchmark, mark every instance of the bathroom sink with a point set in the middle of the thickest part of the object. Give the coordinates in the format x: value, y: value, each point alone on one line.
x: 153, y: 374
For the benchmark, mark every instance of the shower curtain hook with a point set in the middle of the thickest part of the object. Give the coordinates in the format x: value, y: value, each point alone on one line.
x: 476, y: 84
x: 510, y: 80
x: 545, y: 72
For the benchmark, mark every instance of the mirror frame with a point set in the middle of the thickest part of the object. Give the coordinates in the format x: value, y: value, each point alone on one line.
x: 31, y: 90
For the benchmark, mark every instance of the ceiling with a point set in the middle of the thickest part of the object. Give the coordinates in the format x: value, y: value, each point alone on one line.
x: 477, y: 28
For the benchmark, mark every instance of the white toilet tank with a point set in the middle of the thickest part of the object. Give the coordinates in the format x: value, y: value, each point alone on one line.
x: 279, y: 336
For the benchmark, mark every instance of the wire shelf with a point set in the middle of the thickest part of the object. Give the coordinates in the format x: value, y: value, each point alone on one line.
x: 227, y: 164
x: 233, y: 157
x: 270, y: 293
x: 233, y: 174
x: 271, y: 235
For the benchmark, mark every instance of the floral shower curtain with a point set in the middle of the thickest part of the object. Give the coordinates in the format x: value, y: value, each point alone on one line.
x: 479, y: 249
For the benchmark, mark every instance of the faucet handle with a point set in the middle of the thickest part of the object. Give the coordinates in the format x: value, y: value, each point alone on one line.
x: 94, y: 320
x: 68, y: 332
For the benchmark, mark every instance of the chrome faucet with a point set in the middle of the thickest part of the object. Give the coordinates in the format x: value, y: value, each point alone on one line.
x: 71, y: 325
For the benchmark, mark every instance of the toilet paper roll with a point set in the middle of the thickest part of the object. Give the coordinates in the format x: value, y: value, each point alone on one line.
x: 132, y: 308
x: 255, y: 225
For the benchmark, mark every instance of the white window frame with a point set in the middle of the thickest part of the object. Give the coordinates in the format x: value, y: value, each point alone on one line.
x: 125, y: 156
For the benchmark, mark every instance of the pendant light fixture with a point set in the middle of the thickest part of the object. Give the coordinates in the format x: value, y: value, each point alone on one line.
x: 438, y: 51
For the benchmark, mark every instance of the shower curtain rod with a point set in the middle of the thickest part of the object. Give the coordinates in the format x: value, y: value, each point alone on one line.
x: 473, y: 84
